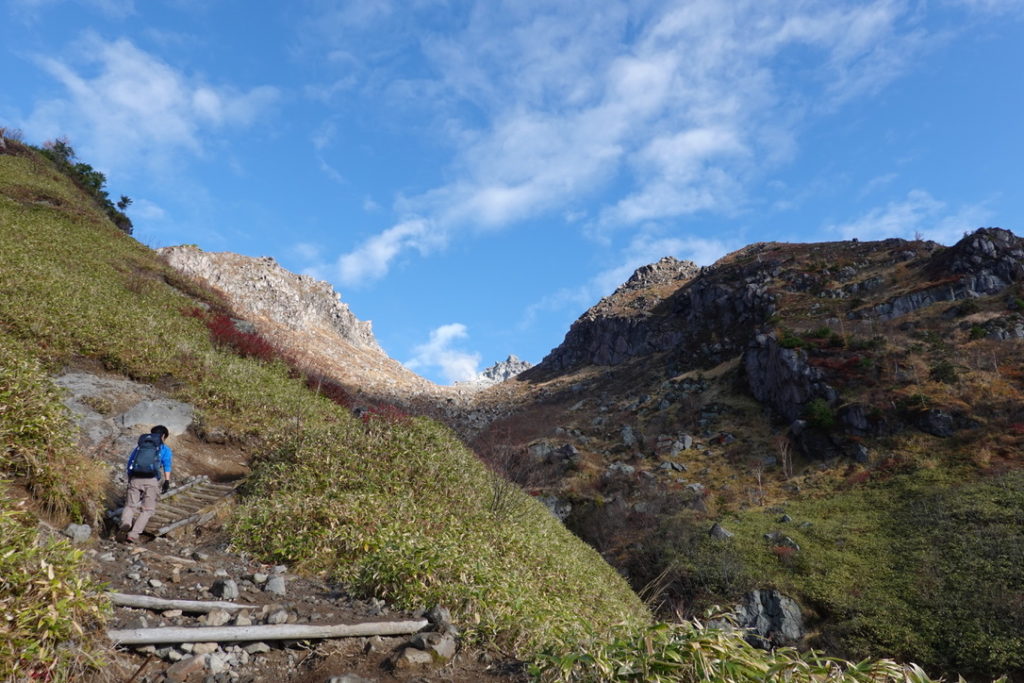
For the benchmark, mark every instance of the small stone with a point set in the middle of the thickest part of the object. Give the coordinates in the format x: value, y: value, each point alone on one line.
x: 280, y: 569
x: 186, y: 647
x: 164, y: 652
x: 78, y: 533
x: 439, y: 615
x: 373, y: 644
x: 217, y: 617
x: 256, y: 648
x: 785, y: 518
x: 349, y: 678
x: 107, y: 557
x: 221, y: 572
x: 217, y: 663
x: 176, y: 575
x: 275, y: 585
x: 156, y: 583
x: 182, y: 670
x: 413, y: 658
x: 147, y: 649
x: 225, y: 588
x: 259, y: 579
x: 133, y: 576
x: 204, y: 648
x: 278, y: 617
x: 171, y: 613
x: 174, y: 655
x: 243, y: 619
x: 200, y: 557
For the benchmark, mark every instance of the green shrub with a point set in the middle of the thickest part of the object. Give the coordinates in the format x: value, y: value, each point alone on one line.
x: 820, y: 414
x: 944, y: 371
x: 52, y: 616
x: 977, y: 332
x: 35, y: 435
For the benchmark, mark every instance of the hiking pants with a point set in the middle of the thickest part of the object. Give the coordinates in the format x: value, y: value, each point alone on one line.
x: 142, y: 492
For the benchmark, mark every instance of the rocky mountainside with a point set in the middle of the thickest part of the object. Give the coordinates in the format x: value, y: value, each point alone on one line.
x: 782, y: 375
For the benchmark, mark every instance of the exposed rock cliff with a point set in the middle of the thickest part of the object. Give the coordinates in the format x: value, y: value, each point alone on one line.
x: 261, y: 286
x: 670, y: 305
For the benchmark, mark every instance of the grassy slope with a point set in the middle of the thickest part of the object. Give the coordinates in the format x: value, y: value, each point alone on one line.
x: 399, y: 509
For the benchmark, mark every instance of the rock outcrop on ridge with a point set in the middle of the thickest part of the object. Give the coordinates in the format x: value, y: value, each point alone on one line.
x: 262, y: 287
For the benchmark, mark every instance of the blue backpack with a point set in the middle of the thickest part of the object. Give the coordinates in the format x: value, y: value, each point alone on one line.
x: 147, y: 457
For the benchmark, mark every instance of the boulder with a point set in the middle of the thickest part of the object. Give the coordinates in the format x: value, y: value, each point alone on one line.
x: 720, y: 532
x: 770, y: 618
x: 78, y: 533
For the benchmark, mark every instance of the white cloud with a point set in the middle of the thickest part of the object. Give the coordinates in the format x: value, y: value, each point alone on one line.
x: 668, y: 109
x: 454, y: 365
x: 919, y: 214
x: 307, y: 251
x: 372, y: 259
x: 124, y: 104
x: 147, y: 210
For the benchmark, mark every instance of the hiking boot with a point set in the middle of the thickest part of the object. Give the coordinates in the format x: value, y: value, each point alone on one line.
x: 131, y: 539
x: 126, y: 527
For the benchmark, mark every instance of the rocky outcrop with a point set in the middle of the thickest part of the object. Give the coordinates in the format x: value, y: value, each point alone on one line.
x: 711, y: 315
x: 261, y: 286
x: 985, y: 262
x: 770, y: 618
x: 666, y: 269
x: 500, y: 371
x: 782, y: 379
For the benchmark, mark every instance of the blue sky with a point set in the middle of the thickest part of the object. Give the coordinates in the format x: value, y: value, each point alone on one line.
x: 471, y: 176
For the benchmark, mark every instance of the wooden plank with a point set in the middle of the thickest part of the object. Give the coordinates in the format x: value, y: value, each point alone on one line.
x: 234, y: 634
x: 192, y: 606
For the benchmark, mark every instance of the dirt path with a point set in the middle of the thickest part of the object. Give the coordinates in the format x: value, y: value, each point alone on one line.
x: 201, y: 569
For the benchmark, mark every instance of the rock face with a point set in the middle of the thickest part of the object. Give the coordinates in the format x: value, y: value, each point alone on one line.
x: 262, y: 286
x: 985, y: 262
x: 503, y: 370
x: 771, y: 618
x: 711, y: 312
x: 782, y: 379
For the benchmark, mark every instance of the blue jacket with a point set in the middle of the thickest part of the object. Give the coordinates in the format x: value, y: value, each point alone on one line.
x: 165, y: 459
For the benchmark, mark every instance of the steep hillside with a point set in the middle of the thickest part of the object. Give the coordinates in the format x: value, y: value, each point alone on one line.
x: 815, y: 400
x: 393, y: 506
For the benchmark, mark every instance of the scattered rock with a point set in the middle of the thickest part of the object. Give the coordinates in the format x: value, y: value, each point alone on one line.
x: 256, y: 648
x: 413, y: 658
x: 226, y: 589
x: 181, y: 671
x: 78, y: 533
x: 217, y: 617
x: 441, y: 646
x: 275, y: 585
x: 719, y: 531
x: 204, y: 648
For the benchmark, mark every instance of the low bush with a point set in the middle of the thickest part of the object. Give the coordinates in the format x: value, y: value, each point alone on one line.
x: 52, y: 615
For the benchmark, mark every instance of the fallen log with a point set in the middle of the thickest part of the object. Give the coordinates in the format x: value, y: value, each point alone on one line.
x: 234, y: 634
x: 195, y: 606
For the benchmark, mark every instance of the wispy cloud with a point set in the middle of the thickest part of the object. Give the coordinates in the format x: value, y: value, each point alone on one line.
x: 438, y: 352
x: 372, y: 259
x: 124, y: 104
x: 664, y: 110
x: 919, y: 214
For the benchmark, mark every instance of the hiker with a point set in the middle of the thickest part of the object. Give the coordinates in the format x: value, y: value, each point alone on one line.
x: 148, y: 465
